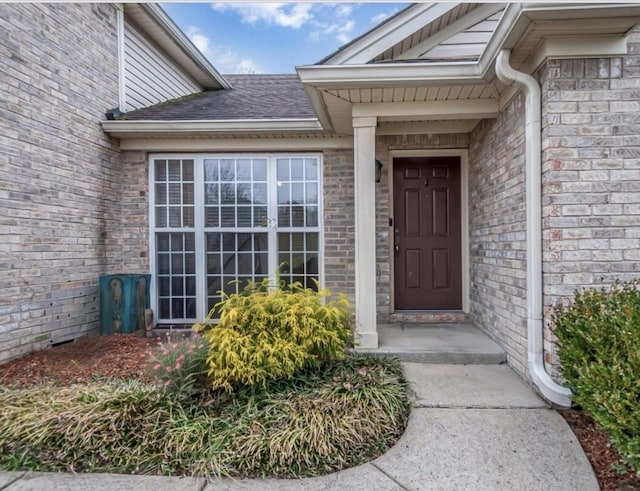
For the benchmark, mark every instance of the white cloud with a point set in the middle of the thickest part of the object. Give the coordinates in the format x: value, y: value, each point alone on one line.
x: 376, y: 19
x: 247, y: 66
x: 335, y: 21
x: 293, y: 15
x: 222, y: 58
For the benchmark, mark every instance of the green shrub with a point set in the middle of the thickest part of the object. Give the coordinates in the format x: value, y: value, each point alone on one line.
x: 180, y: 364
x: 266, y: 334
x: 599, y: 349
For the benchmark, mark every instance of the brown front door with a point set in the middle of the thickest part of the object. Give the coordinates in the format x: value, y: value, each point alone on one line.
x: 427, y: 233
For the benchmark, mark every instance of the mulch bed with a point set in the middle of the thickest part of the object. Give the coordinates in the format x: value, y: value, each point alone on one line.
x: 120, y: 356
x: 125, y: 355
x: 604, y: 459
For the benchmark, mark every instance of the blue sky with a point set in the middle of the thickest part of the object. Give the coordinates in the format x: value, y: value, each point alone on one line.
x: 240, y: 37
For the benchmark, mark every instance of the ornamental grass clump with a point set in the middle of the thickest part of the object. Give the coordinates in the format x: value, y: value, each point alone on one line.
x: 599, y: 349
x: 114, y: 426
x: 321, y: 420
x: 179, y: 364
x: 267, y: 333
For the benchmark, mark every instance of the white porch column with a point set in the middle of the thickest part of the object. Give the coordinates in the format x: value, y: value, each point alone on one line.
x: 364, y: 139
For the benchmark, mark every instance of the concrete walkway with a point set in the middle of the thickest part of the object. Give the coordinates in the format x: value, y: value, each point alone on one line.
x: 472, y: 427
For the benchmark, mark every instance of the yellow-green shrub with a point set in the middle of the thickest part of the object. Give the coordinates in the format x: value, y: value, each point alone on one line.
x: 266, y: 334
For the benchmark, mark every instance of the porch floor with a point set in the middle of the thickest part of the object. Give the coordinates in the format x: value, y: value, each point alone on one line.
x: 446, y: 343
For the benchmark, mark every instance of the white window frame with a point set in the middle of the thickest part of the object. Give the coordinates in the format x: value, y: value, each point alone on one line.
x: 199, y: 229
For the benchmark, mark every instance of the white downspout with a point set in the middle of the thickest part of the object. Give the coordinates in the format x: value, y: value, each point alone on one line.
x: 553, y: 392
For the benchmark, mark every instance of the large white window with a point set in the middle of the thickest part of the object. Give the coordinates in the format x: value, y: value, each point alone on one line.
x: 218, y: 221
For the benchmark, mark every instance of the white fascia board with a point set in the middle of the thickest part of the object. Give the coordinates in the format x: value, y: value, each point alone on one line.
x: 558, y: 11
x: 319, y: 106
x: 472, y: 18
x: 456, y: 109
x: 215, y: 126
x: 390, y: 33
x: 186, y: 46
x: 382, y: 75
x: 229, y: 144
x: 507, y: 26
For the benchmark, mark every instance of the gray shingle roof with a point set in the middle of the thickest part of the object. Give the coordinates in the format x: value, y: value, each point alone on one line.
x: 252, y: 97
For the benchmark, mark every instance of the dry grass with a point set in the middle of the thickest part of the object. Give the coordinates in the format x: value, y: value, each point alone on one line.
x: 323, y: 420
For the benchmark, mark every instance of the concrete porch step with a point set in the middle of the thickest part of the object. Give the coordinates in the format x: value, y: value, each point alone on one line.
x: 430, y: 317
x: 460, y: 344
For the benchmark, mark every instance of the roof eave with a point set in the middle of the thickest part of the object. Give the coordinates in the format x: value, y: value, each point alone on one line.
x: 381, y: 75
x: 124, y: 128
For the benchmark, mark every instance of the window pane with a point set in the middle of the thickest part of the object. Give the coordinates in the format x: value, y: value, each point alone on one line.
x: 187, y: 194
x: 161, y: 194
x: 163, y: 286
x: 284, y: 216
x: 243, y: 170
x: 227, y: 170
x: 297, y: 193
x: 163, y: 264
x: 244, y: 216
x: 210, y: 170
x: 162, y: 242
x: 227, y: 216
x: 161, y: 217
x: 283, y: 194
x: 297, y: 170
x: 175, y: 218
x: 228, y: 194
x: 311, y: 170
x: 260, y: 194
x: 311, y: 195
x: 175, y: 170
x: 260, y: 170
x: 211, y: 194
x: 188, y: 219
x: 187, y: 170
x: 211, y: 217
x: 244, y: 194
x: 283, y: 169
x: 161, y: 170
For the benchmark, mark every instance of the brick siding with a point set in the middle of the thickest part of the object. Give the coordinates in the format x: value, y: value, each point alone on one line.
x: 59, y: 173
x: 339, y: 222
x: 591, y: 175
x: 497, y: 231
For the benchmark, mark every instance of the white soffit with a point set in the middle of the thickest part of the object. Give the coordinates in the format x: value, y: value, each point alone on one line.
x: 449, y: 92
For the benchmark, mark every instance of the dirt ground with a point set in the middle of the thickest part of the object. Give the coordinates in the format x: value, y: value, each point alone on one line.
x: 125, y: 355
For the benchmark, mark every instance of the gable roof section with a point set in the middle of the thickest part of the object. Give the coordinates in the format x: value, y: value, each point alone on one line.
x: 445, y: 56
x: 392, y: 32
x: 256, y: 105
x: 252, y: 97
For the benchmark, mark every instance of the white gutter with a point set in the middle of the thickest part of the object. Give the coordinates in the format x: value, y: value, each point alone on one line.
x: 210, y: 126
x: 549, y: 389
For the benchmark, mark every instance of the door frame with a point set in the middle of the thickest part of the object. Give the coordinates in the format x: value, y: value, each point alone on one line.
x: 464, y: 214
